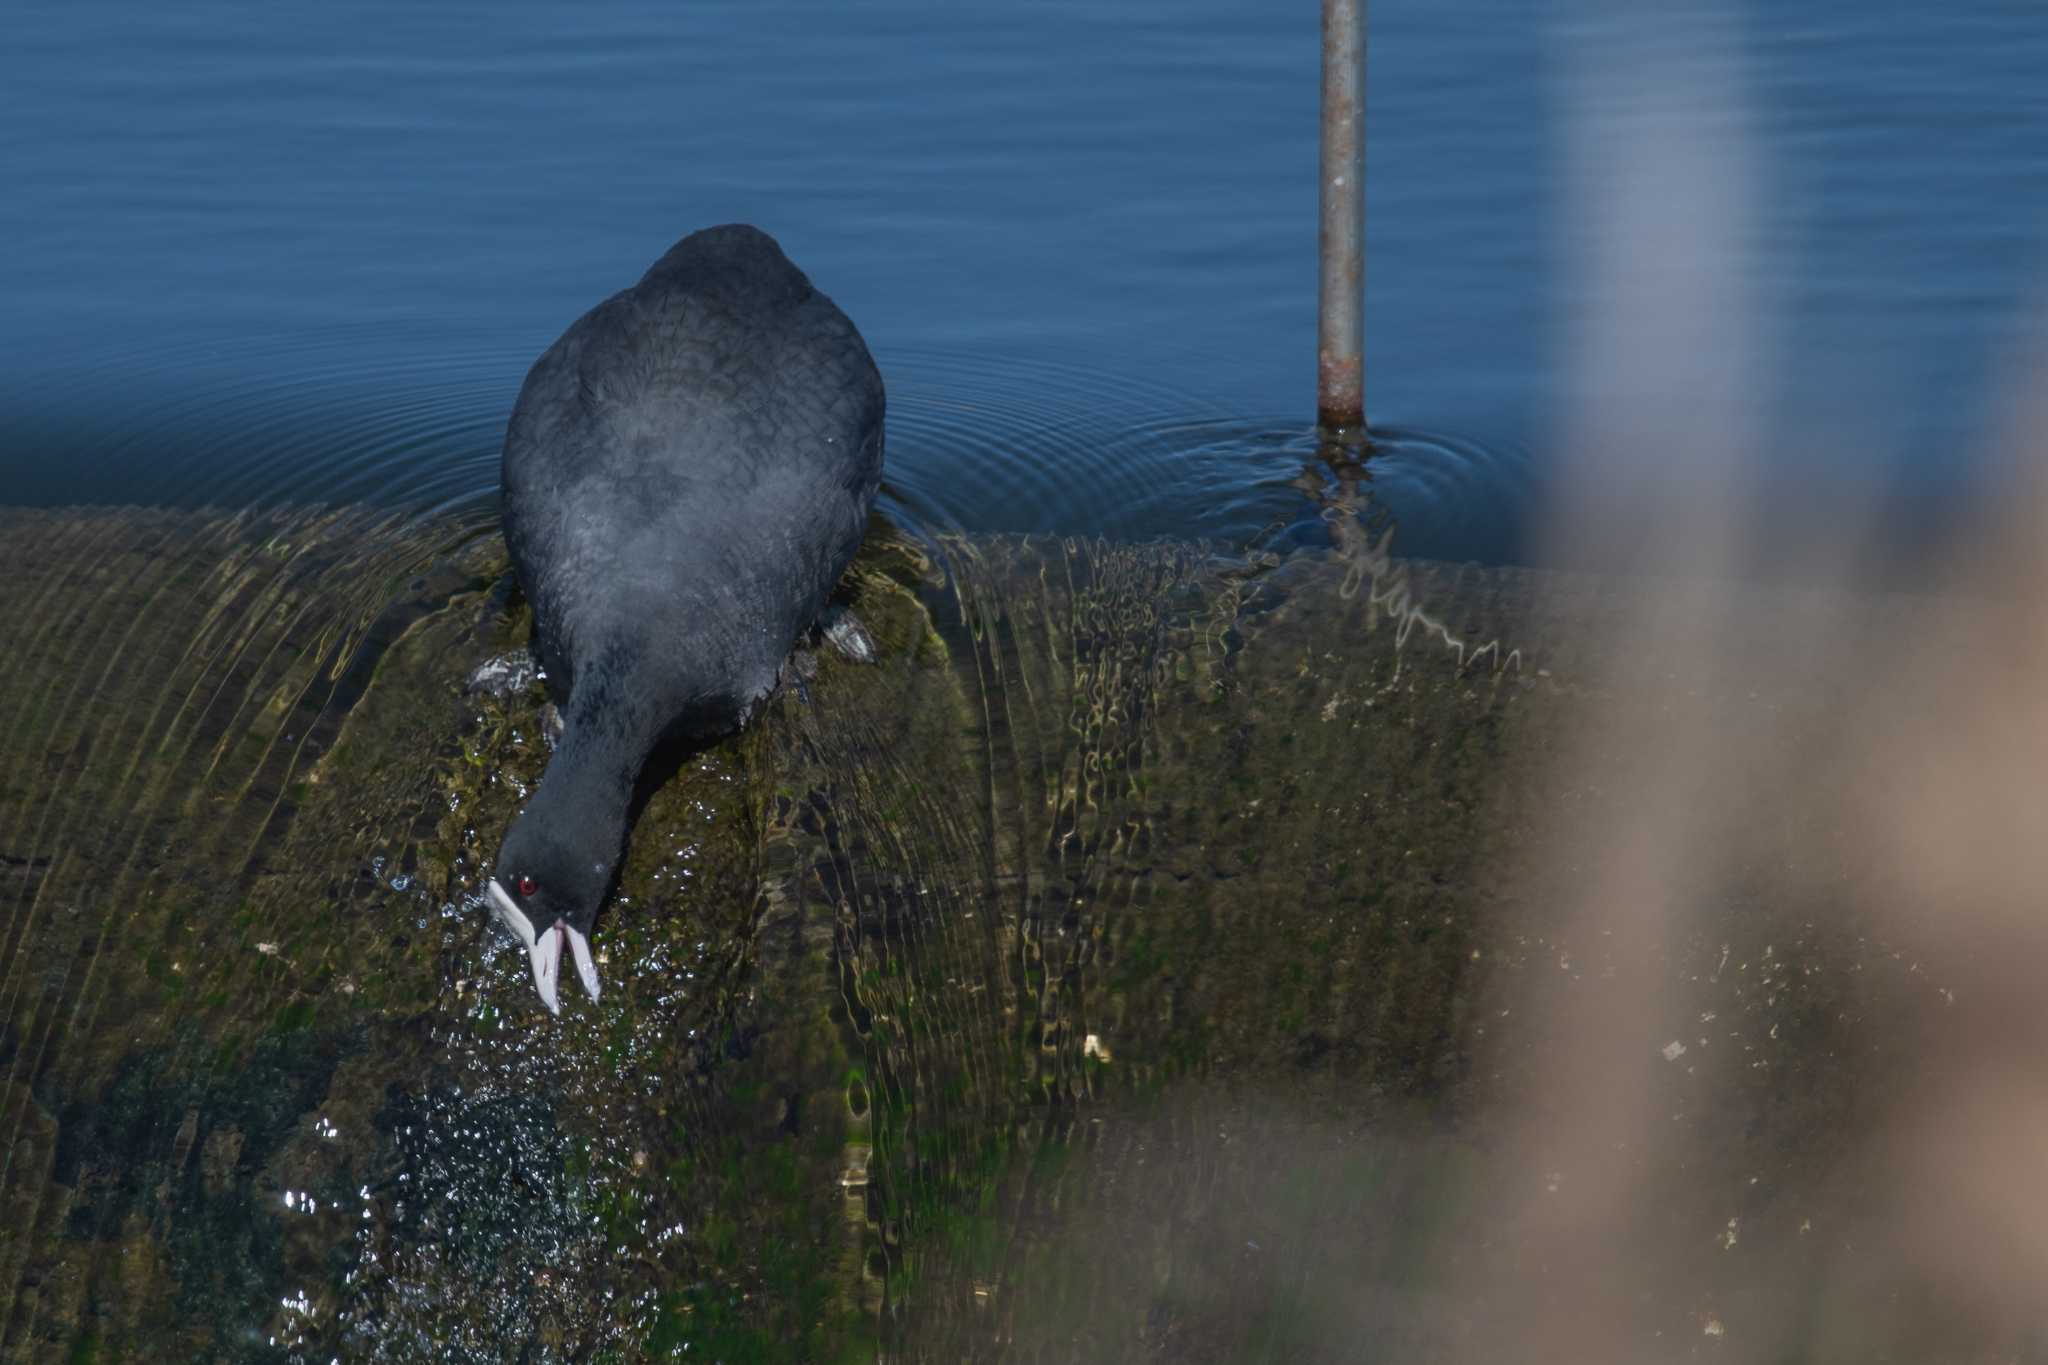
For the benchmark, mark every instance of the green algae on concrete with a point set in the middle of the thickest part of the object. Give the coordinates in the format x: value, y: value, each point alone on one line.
x: 1149, y: 958
x: 843, y: 1007
x: 178, y: 671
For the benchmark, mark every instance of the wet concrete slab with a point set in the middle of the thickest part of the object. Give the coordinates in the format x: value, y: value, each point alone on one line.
x: 1153, y: 957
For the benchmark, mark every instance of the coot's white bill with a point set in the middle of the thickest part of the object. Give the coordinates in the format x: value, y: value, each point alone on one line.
x: 544, y: 948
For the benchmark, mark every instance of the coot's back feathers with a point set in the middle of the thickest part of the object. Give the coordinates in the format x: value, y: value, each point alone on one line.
x: 687, y: 472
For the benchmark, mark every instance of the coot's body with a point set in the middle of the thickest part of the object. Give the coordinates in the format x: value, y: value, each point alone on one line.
x: 687, y: 472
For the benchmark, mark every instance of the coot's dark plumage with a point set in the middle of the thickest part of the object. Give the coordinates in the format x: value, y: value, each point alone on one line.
x: 688, y: 471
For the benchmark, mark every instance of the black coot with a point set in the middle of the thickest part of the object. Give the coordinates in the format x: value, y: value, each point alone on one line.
x: 688, y: 471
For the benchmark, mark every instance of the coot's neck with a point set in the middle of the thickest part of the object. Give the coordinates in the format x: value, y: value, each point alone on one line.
x: 588, y: 785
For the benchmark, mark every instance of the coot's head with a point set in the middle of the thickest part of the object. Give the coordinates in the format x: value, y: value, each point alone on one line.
x: 548, y: 893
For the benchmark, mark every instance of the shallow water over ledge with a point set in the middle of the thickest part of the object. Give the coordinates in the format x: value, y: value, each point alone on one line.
x: 1155, y: 956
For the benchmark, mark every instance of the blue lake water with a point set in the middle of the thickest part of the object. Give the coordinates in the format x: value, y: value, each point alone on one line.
x: 286, y: 253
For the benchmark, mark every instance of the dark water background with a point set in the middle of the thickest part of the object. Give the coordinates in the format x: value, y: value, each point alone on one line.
x: 294, y: 254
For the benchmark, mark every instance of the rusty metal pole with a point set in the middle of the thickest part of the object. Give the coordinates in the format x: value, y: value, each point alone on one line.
x: 1340, y: 369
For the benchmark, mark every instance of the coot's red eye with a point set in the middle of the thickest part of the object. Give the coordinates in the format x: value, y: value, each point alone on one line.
x: 527, y: 886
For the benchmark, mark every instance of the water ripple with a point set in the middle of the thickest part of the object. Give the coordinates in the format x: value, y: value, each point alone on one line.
x: 395, y: 418
x: 1040, y: 446
x: 336, y: 415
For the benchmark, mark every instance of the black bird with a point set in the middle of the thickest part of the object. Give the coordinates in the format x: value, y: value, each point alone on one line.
x: 687, y: 472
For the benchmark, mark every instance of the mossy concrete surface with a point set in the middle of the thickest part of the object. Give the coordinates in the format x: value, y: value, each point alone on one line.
x: 1153, y: 957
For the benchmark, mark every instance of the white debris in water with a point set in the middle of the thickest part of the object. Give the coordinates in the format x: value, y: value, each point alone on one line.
x: 1713, y: 1328
x: 267, y: 949
x: 1673, y: 1050
x: 1727, y: 1237
x: 504, y: 675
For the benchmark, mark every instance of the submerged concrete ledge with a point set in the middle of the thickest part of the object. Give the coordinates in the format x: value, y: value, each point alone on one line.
x: 1153, y: 956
